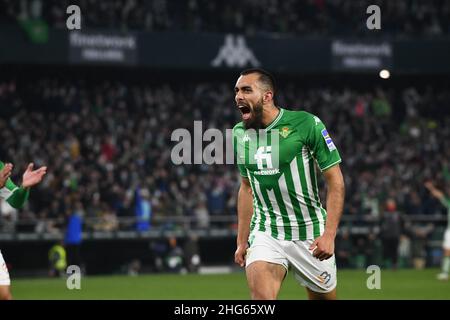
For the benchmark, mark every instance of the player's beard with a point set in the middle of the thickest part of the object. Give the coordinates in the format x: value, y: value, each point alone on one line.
x: 255, y: 121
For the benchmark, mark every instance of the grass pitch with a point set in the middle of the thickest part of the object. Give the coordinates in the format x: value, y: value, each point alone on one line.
x: 400, y: 284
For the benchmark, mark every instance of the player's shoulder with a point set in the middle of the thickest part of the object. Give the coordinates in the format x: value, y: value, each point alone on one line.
x: 239, y: 127
x: 302, y: 117
x: 238, y: 131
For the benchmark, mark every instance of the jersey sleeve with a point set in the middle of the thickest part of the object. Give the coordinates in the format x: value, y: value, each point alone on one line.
x: 238, y: 149
x: 445, y: 201
x: 14, y: 195
x: 322, y: 146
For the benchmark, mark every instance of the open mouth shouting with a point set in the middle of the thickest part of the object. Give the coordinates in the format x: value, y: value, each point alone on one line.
x: 246, y: 111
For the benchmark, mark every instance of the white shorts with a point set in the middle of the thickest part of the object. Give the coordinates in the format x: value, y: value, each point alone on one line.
x: 319, y: 276
x: 4, y: 274
x: 446, y: 243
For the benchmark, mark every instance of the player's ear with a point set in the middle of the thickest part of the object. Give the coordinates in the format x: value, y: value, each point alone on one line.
x: 268, y: 95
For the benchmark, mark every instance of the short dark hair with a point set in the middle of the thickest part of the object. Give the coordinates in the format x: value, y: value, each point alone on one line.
x: 264, y: 76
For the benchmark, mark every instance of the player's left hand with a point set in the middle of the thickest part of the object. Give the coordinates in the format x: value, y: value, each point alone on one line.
x: 32, y: 177
x: 323, y: 247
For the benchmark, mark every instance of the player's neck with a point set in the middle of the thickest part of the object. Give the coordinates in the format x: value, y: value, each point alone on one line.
x: 269, y: 114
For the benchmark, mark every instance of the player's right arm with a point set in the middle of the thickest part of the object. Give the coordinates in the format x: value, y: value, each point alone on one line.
x: 245, y: 212
x: 435, y: 192
x: 438, y: 194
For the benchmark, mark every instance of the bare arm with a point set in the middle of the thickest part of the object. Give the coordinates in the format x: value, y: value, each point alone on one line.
x: 335, y: 198
x: 435, y: 192
x: 30, y: 178
x: 245, y: 212
x: 335, y: 202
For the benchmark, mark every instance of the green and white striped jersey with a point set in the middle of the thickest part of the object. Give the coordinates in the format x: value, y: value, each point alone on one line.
x: 14, y: 195
x: 279, y: 162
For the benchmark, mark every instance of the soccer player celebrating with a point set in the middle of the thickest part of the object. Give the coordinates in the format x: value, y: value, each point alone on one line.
x: 16, y: 197
x: 281, y: 221
x: 445, y: 200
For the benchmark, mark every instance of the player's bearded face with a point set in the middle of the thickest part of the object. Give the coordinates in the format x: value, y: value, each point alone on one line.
x: 252, y: 115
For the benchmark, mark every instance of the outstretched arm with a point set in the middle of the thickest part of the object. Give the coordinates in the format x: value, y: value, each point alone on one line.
x: 17, y: 196
x: 435, y: 192
x: 324, y: 245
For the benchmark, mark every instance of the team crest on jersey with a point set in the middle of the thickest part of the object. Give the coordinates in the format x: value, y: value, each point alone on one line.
x: 284, y: 132
x: 330, y: 143
x: 317, y: 120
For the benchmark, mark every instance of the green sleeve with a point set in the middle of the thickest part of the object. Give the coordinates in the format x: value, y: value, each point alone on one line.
x: 239, y: 150
x: 14, y: 195
x: 322, y: 146
x: 18, y: 198
x: 445, y: 202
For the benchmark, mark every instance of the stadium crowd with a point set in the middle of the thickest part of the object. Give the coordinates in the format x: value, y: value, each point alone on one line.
x: 286, y: 17
x: 107, y: 142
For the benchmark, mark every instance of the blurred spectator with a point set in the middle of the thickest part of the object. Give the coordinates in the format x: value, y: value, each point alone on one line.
x: 134, y: 267
x: 174, y: 258
x: 201, y: 216
x: 391, y: 230
x: 143, y: 209
x: 380, y: 106
x: 192, y: 259
x: 419, y: 245
x: 404, y: 252
x: 373, y: 249
x: 57, y: 260
x: 216, y: 199
x: 74, y: 237
x: 158, y: 250
x: 107, y: 221
x: 45, y: 225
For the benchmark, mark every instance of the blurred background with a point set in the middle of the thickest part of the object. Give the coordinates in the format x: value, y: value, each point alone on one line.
x: 98, y: 107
